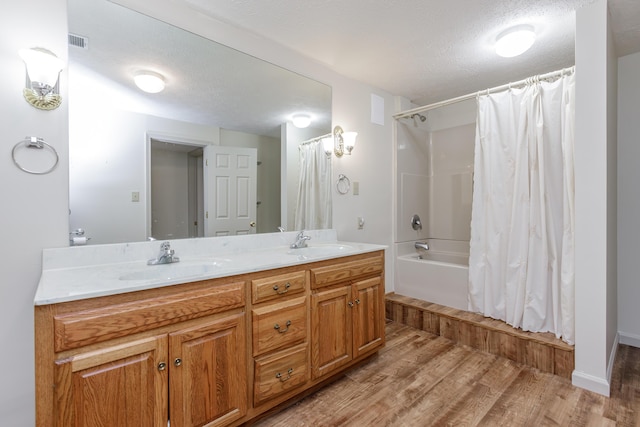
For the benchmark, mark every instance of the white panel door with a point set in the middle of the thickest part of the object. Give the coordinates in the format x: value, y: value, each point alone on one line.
x: 230, y: 190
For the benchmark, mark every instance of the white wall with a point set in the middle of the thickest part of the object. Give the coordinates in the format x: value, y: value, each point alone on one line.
x: 34, y: 211
x: 109, y: 161
x: 628, y: 199
x: 595, y: 163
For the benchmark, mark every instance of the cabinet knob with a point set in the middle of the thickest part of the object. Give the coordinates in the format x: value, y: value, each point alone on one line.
x: 177, y: 362
x: 282, y: 331
x: 358, y: 301
x: 287, y: 378
x: 350, y: 304
x: 162, y: 366
x: 284, y: 291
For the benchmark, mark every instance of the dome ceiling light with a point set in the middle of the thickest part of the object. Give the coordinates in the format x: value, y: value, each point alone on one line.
x: 301, y: 120
x: 149, y: 81
x: 515, y: 41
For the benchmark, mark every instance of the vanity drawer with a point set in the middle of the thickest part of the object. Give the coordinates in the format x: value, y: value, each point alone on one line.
x: 280, y: 372
x: 340, y: 272
x: 79, y: 328
x: 275, y: 287
x: 278, y: 325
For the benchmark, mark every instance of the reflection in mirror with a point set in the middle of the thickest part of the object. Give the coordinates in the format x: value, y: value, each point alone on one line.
x: 138, y: 161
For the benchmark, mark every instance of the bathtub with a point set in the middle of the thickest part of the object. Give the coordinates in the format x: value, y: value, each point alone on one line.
x: 439, y: 277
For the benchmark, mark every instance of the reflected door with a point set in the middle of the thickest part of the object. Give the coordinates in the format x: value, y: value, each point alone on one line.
x: 230, y: 190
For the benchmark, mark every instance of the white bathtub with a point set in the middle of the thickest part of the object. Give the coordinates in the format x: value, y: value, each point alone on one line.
x: 440, y: 278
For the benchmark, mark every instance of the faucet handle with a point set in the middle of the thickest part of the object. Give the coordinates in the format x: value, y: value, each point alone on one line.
x: 165, y: 246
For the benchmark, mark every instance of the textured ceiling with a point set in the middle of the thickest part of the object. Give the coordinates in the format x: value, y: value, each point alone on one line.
x: 424, y: 50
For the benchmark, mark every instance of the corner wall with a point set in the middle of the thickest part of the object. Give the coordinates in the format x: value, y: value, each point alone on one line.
x: 628, y: 199
x: 596, y: 226
x: 34, y: 210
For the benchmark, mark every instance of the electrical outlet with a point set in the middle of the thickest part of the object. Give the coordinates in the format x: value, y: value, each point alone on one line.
x: 356, y: 188
x: 360, y: 223
x: 135, y: 196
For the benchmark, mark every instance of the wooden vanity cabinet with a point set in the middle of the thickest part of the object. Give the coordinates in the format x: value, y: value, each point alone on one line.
x: 279, y: 335
x: 219, y: 352
x: 185, y: 359
x: 347, y: 313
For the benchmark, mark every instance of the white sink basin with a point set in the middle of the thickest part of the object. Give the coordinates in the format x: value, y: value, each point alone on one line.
x: 171, y: 271
x: 320, y: 250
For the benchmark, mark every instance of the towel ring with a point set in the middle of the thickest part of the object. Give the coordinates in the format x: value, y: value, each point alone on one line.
x: 343, y: 185
x: 38, y: 143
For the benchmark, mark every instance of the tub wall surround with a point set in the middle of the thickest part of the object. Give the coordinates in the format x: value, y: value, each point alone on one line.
x: 75, y: 273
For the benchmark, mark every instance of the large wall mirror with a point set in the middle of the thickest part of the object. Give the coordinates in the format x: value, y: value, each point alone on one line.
x: 140, y: 163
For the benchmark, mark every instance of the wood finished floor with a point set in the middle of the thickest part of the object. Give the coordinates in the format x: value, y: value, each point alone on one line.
x: 420, y: 379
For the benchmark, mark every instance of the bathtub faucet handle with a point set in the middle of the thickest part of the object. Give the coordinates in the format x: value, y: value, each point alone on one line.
x: 416, y: 224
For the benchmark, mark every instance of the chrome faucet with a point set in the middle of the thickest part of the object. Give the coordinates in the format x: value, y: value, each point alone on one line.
x: 301, y: 241
x: 166, y: 255
x: 421, y: 248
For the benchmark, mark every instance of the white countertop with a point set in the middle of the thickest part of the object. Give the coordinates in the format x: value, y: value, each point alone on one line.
x: 81, y: 272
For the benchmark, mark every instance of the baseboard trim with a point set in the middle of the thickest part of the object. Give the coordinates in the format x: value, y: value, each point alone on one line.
x: 598, y: 385
x: 591, y: 383
x: 629, y: 339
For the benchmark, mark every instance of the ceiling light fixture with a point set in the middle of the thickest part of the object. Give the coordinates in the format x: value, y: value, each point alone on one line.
x: 301, y: 120
x: 149, y: 81
x: 515, y: 41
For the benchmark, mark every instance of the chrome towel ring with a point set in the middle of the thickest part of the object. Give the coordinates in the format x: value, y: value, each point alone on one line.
x: 39, y: 144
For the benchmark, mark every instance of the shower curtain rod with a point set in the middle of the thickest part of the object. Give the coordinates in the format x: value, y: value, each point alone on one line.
x: 317, y: 138
x: 547, y: 76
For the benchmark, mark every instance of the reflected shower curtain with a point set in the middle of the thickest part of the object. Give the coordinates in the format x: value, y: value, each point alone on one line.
x: 313, y: 206
x: 521, y: 263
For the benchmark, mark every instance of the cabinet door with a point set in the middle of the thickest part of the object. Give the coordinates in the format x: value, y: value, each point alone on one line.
x: 208, y: 383
x: 368, y: 315
x: 123, y: 385
x: 331, y: 323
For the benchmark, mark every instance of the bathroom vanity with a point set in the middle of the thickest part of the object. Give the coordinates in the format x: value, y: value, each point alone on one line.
x: 216, y: 340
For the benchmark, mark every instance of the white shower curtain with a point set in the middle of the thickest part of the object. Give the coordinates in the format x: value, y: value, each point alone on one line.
x: 521, y: 263
x: 313, y: 207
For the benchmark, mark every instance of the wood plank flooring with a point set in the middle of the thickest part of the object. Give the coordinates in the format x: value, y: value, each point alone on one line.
x: 422, y: 379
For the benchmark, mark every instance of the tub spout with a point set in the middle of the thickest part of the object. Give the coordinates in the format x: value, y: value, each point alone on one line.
x: 421, y: 248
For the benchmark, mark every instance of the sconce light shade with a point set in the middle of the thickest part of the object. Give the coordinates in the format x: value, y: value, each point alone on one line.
x: 349, y: 139
x: 43, y: 71
x: 327, y: 143
x: 515, y: 41
x: 343, y: 142
x: 149, y: 82
x: 301, y: 120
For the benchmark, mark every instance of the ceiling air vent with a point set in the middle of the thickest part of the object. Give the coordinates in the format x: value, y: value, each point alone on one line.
x: 78, y: 41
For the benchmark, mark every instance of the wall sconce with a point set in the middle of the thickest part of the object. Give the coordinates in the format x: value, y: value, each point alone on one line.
x: 43, y: 70
x: 340, y: 142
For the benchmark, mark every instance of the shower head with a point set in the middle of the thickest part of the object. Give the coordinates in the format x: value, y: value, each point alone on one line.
x: 420, y: 116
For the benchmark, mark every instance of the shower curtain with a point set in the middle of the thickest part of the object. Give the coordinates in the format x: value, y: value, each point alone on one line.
x: 521, y: 263
x: 313, y: 206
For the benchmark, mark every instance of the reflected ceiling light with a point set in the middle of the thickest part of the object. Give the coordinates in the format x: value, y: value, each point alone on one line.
x: 340, y: 142
x: 301, y: 120
x: 149, y: 81
x: 43, y: 70
x: 515, y: 41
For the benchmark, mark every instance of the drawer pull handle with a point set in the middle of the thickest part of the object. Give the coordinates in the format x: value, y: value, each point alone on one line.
x: 287, y: 378
x: 286, y: 289
x: 282, y: 331
x: 162, y: 366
